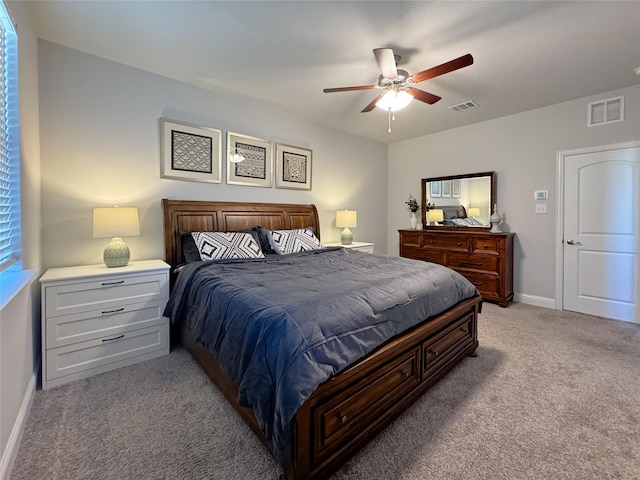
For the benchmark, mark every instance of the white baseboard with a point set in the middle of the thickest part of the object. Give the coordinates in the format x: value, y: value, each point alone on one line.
x: 535, y: 300
x: 11, y: 449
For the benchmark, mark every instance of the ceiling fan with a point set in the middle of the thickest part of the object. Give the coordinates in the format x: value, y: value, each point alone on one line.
x: 398, y: 86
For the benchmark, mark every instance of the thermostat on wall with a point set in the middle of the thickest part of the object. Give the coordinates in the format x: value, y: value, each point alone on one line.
x: 541, y: 194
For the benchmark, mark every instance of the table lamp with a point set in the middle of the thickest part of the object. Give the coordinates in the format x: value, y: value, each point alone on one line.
x: 435, y: 216
x: 473, y: 212
x: 115, y: 222
x: 347, y: 219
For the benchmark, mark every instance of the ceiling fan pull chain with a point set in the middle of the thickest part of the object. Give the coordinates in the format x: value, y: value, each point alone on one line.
x: 389, y: 120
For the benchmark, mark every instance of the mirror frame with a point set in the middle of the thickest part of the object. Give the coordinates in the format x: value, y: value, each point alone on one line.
x: 425, y: 181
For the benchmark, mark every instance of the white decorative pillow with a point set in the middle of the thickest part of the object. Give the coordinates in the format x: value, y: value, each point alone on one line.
x: 221, y: 245
x: 293, y: 241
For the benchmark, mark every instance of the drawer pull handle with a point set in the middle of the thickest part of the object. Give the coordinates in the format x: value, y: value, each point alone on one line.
x: 343, y: 419
x: 435, y: 353
x: 108, y: 284
x: 405, y: 374
x: 105, y: 340
x: 459, y: 244
x: 464, y: 330
x: 485, y: 246
x: 477, y: 283
x: 464, y: 262
x: 107, y: 312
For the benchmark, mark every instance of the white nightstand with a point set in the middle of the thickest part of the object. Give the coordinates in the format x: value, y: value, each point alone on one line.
x: 96, y: 319
x: 361, y: 246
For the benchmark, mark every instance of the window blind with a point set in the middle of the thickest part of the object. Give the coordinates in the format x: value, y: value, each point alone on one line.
x: 10, y: 236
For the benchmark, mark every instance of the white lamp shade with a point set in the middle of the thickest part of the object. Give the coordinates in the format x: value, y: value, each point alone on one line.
x: 346, y: 218
x: 435, y: 215
x: 115, y: 222
x: 394, y: 100
x: 473, y: 211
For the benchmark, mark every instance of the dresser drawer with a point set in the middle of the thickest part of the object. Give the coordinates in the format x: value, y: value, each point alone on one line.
x: 435, y: 256
x: 476, y: 262
x: 79, y: 327
x: 445, y: 345
x: 452, y: 243
x: 335, y: 420
x: 411, y: 239
x: 484, y: 283
x: 104, y: 293
x: 84, y: 356
x: 486, y: 245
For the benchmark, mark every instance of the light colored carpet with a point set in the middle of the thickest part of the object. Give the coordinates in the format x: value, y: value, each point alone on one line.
x: 551, y: 395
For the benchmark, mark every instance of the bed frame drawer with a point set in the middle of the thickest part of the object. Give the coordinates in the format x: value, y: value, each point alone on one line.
x: 445, y: 346
x: 348, y: 412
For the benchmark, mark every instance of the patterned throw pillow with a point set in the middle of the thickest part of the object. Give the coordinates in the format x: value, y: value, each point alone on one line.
x: 292, y: 241
x: 221, y: 245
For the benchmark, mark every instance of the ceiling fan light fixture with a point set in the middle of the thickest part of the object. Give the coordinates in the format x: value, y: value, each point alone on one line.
x: 394, y: 100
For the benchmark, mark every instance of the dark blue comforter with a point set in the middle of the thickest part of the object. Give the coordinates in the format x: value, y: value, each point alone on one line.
x: 281, y: 326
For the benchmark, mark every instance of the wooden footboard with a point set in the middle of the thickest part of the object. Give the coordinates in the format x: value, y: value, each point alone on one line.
x: 346, y: 411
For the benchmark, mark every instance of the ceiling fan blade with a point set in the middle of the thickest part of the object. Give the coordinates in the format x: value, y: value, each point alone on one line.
x: 348, y: 89
x: 372, y: 105
x: 463, y: 61
x: 423, y: 96
x: 386, y: 61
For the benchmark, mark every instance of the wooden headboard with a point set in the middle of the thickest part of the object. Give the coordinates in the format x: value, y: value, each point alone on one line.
x: 183, y: 216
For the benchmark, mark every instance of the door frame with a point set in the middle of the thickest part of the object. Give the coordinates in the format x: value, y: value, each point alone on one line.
x: 560, y: 207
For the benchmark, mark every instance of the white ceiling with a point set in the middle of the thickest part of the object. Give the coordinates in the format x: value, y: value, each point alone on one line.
x: 528, y: 54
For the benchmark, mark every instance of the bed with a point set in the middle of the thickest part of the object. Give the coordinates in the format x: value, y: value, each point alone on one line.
x: 358, y: 397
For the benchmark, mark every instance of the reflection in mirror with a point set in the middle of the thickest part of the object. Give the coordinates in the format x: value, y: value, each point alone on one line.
x: 466, y: 200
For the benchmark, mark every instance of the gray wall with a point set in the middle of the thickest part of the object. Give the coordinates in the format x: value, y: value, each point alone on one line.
x: 522, y: 149
x: 100, y: 146
x: 20, y: 316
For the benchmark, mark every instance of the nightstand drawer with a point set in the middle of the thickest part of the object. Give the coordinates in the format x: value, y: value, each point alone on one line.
x: 82, y: 357
x: 104, y: 293
x: 80, y: 327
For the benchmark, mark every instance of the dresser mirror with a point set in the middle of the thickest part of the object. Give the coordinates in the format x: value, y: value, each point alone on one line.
x: 464, y: 200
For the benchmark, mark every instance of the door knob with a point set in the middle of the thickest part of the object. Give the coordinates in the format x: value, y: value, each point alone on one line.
x: 571, y: 242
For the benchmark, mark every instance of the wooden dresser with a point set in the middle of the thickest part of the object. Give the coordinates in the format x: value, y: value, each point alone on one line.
x: 485, y: 259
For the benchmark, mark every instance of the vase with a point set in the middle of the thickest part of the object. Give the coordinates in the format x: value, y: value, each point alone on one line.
x: 414, y: 221
x: 495, y: 220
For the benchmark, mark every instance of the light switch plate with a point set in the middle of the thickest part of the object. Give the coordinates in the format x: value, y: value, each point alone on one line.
x: 541, y: 208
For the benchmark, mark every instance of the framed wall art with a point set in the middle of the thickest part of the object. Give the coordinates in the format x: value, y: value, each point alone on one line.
x: 436, y: 189
x: 446, y: 188
x: 255, y: 168
x: 455, y: 188
x: 293, y: 167
x: 190, y: 152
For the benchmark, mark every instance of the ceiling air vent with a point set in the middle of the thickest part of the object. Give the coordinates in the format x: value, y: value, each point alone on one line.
x: 464, y: 106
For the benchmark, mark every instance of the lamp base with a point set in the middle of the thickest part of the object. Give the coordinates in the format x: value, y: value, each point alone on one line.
x: 116, y: 253
x: 347, y: 237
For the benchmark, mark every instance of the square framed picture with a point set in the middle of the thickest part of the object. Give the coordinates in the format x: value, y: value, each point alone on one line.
x: 293, y: 167
x: 436, y: 189
x: 446, y: 188
x: 255, y: 164
x: 190, y: 152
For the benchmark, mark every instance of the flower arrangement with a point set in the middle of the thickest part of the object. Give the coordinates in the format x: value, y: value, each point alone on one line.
x: 412, y: 203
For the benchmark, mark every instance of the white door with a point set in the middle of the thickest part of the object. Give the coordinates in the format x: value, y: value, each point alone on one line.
x: 600, y: 247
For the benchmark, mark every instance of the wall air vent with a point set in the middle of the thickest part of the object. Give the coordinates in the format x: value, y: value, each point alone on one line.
x: 464, y: 106
x: 606, y: 111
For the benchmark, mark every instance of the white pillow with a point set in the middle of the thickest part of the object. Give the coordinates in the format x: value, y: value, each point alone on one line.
x: 293, y: 241
x: 221, y: 245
